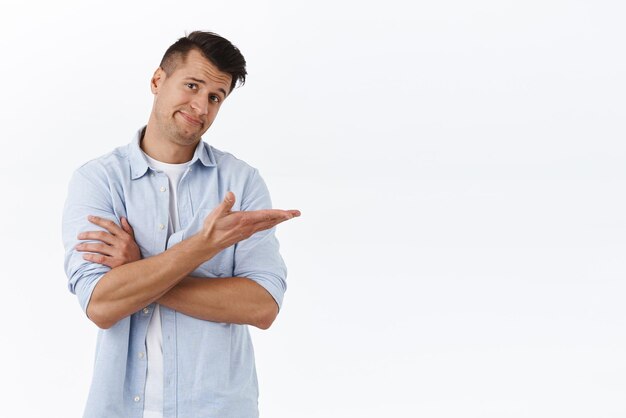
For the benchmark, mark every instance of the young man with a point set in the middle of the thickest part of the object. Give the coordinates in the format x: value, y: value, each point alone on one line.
x: 174, y: 293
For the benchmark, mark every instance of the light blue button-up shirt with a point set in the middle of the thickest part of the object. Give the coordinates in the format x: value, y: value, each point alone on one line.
x: 208, y: 367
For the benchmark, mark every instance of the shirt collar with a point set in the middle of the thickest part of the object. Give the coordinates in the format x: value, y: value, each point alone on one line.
x: 139, y: 164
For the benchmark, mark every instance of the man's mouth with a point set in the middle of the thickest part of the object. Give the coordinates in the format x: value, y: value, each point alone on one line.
x: 190, y: 119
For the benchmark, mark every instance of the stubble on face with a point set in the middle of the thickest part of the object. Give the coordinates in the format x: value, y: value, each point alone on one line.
x: 174, y: 130
x: 182, y: 120
x: 172, y: 126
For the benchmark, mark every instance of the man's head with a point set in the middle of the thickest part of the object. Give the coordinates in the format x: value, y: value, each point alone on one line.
x: 195, y: 76
x: 219, y: 51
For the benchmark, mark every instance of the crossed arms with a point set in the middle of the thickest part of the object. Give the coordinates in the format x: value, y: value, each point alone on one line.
x: 133, y: 283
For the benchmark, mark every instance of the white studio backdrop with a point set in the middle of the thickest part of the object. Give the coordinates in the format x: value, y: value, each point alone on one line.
x: 460, y: 170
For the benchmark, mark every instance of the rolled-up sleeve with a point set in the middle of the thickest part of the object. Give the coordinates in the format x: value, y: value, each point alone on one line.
x: 88, y: 194
x: 258, y: 258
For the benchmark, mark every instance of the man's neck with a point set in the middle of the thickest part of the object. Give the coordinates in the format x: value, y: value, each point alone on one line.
x: 165, y: 151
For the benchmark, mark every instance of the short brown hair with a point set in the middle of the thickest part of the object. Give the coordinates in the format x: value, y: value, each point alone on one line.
x: 219, y: 51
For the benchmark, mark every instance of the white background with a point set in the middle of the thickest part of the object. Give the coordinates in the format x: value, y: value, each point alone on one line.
x: 460, y: 170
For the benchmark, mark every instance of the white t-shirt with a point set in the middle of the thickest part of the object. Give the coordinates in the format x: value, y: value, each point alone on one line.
x: 153, y: 403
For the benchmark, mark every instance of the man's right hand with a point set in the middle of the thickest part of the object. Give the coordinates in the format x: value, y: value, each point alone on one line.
x: 223, y: 227
x: 116, y: 246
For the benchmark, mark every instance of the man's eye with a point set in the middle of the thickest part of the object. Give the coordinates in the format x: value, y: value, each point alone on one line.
x: 214, y: 99
x: 192, y: 86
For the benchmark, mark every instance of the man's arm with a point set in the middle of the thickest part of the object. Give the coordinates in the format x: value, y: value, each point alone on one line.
x: 233, y: 300
x: 128, y: 288
x: 131, y: 286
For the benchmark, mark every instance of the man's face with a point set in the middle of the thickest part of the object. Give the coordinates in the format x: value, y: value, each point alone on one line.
x: 187, y: 101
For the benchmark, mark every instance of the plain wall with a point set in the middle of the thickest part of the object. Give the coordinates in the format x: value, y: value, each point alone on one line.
x: 460, y: 170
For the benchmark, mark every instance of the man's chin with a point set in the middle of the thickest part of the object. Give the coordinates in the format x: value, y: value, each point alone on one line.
x: 189, y: 135
x: 187, y: 140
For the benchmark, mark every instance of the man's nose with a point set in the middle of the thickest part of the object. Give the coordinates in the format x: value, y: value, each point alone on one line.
x: 200, y: 105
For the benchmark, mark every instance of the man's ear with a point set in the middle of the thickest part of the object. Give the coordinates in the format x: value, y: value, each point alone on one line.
x: 158, y: 78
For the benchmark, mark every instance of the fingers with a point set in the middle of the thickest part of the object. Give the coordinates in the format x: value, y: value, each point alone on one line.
x: 255, y: 221
x: 97, y: 236
x: 271, y: 223
x: 114, y: 247
x: 127, y: 228
x: 112, y: 228
x: 107, y: 224
x: 227, y: 203
x: 93, y: 247
x: 222, y: 209
x: 101, y: 259
x: 271, y: 215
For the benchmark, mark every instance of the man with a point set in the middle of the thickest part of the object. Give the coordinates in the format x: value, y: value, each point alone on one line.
x: 174, y: 293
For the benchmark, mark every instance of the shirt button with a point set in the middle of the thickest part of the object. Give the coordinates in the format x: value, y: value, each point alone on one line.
x: 137, y: 398
x: 146, y: 310
x: 152, y: 174
x: 162, y: 189
x: 141, y: 354
x: 161, y: 226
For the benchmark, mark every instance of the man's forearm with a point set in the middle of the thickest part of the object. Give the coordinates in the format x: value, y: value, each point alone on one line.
x: 235, y: 300
x: 131, y: 285
x: 127, y: 288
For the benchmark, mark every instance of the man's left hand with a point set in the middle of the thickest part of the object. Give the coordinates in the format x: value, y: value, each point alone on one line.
x: 116, y: 247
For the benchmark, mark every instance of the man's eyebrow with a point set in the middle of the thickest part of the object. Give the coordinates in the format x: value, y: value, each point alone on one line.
x: 197, y: 80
